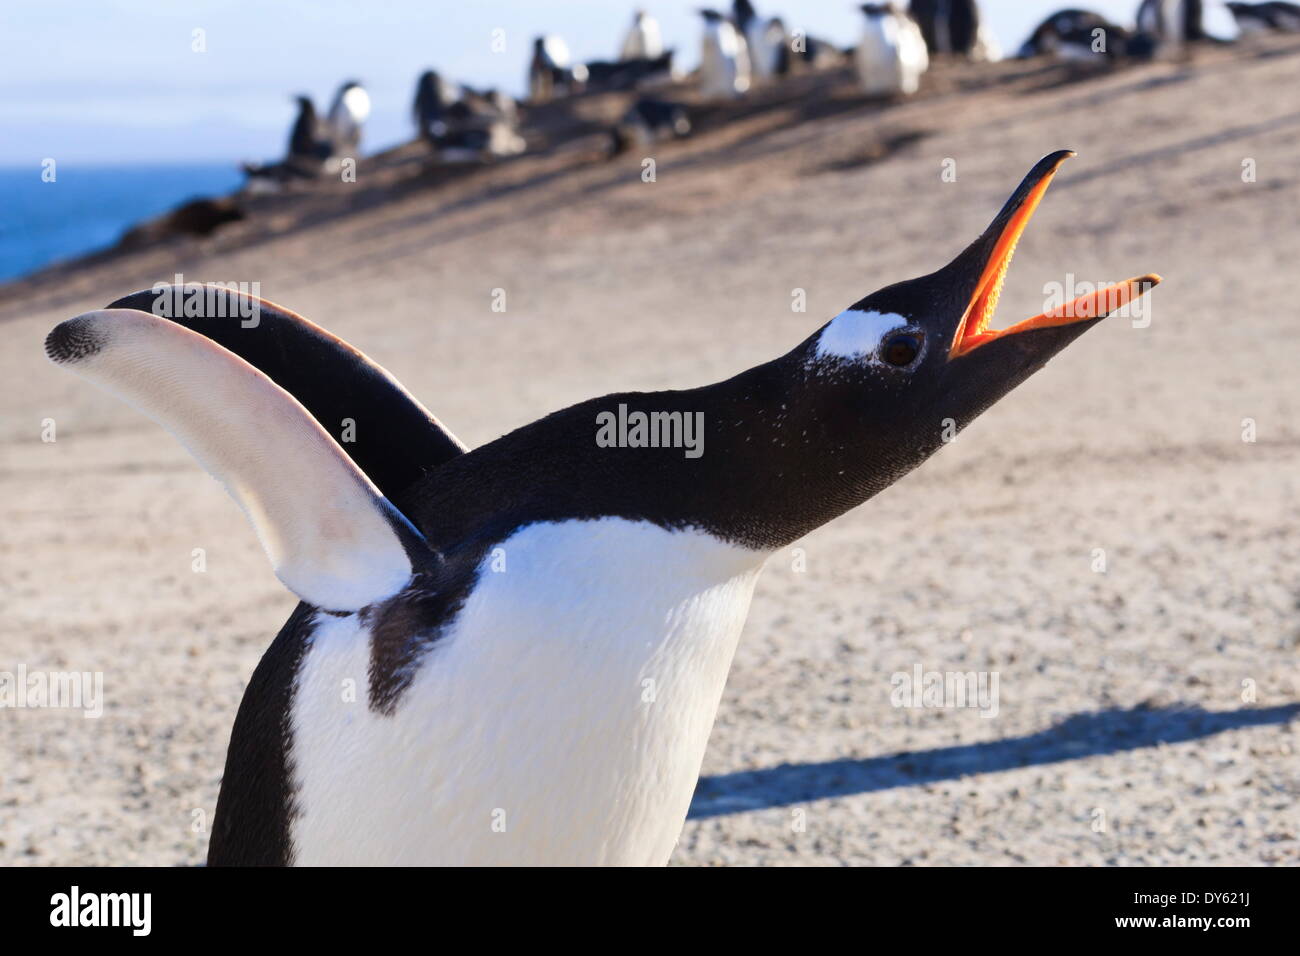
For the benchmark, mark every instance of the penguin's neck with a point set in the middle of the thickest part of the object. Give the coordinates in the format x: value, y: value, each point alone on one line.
x: 757, y: 460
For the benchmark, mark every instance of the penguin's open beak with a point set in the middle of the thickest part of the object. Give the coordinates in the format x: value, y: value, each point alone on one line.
x: 990, y: 255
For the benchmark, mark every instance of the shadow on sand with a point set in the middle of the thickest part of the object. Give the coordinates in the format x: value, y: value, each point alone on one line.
x: 1076, y: 737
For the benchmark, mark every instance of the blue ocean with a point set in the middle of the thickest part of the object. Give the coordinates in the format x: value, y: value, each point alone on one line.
x: 89, y: 207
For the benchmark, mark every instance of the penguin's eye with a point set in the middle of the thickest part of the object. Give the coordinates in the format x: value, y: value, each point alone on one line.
x: 901, y: 349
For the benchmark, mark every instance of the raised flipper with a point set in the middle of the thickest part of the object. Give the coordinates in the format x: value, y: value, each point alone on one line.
x: 332, y: 538
x: 393, y: 438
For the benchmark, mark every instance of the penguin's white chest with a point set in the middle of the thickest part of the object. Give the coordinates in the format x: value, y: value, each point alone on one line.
x: 561, y: 718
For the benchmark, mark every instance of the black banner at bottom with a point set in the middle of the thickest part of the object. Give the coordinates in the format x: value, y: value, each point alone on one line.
x: 207, y: 906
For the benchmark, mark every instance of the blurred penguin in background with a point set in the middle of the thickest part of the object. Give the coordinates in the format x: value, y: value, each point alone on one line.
x: 647, y: 122
x: 955, y: 26
x: 608, y: 75
x: 744, y: 16
x: 766, y: 41
x: 644, y: 41
x: 309, y: 149
x: 724, y: 59
x: 1084, y: 37
x: 464, y: 125
x: 1048, y: 35
x: 306, y: 142
x: 433, y: 99
x: 783, y: 41
x: 1172, y: 19
x: 891, y: 56
x: 347, y: 115
x: 1075, y: 35
x: 1255, y: 18
x: 551, y: 72
x: 1173, y: 23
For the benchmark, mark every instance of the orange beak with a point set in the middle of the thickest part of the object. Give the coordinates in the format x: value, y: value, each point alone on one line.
x: 973, y: 329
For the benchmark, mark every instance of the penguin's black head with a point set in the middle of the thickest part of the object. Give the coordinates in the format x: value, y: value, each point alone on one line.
x: 895, y: 375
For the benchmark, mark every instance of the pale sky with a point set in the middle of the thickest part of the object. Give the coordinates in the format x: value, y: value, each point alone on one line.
x: 112, y: 81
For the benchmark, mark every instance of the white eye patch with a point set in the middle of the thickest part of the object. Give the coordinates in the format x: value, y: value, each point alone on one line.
x: 854, y: 334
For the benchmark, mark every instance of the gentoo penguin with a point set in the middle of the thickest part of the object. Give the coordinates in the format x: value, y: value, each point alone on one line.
x: 724, y: 59
x: 1083, y: 36
x: 538, y: 630
x: 550, y: 72
x: 438, y: 107
x: 308, y: 152
x: 644, y: 40
x: 606, y: 75
x: 347, y: 115
x: 780, y: 38
x: 1047, y: 36
x: 465, y: 125
x: 744, y: 16
x: 1173, y: 23
x: 949, y: 26
x: 305, y: 139
x: 765, y: 41
x: 433, y: 97
x: 776, y: 44
x: 649, y: 121
x: 429, y: 105
x: 1256, y: 18
x: 891, y: 55
x: 1172, y: 19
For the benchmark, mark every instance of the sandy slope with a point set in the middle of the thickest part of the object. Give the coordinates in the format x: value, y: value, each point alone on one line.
x: 1121, y: 693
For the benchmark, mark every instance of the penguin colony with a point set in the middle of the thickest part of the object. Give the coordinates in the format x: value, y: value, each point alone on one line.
x: 740, y: 51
